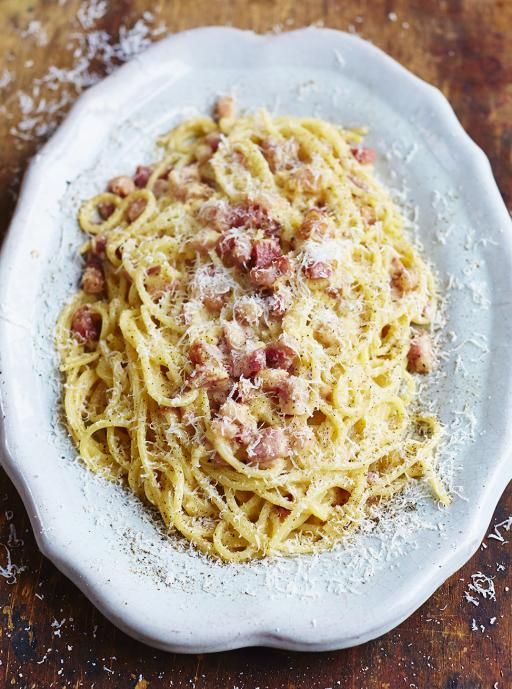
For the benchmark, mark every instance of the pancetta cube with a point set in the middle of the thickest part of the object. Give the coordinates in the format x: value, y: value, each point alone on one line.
x: 363, y: 155
x: 270, y: 444
x: 294, y: 397
x: 86, y: 325
x: 267, y: 277
x: 420, y: 358
x: 265, y: 252
x: 142, y: 175
x: 122, y: 186
x: 225, y: 107
x: 281, y: 355
x: 318, y: 270
x: 235, y: 422
x: 402, y: 279
x: 315, y: 224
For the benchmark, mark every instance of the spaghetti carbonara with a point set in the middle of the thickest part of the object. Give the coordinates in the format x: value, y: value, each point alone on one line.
x: 244, y: 344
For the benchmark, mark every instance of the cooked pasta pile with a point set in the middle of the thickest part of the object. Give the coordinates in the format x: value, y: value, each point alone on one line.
x: 244, y: 345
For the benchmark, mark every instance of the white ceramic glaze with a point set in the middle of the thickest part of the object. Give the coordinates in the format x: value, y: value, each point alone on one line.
x: 150, y: 585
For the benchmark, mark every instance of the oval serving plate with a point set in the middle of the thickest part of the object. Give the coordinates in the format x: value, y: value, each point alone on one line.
x: 151, y: 585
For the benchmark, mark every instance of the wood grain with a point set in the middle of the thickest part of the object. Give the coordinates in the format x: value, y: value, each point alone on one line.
x: 50, y: 635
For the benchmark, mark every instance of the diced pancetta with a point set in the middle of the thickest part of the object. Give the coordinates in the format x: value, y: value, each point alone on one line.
x: 214, y: 213
x: 225, y: 107
x: 301, y: 437
x: 209, y: 371
x: 201, y: 353
x: 265, y: 252
x: 363, y: 155
x: 122, y: 186
x: 211, y: 376
x: 294, y: 396
x: 266, y: 277
x: 271, y: 444
x: 420, y: 358
x: 135, y: 208
x: 235, y: 422
x: 215, y: 302
x: 86, y: 325
x: 105, y: 209
x: 281, y: 355
x: 185, y: 183
x: 271, y: 379
x: 211, y: 285
x: 235, y: 335
x: 253, y: 216
x: 253, y: 362
x: 93, y: 279
x: 317, y: 270
x: 335, y: 291
x: 142, y: 175
x: 218, y: 395
x: 161, y: 188
x: 245, y: 390
x: 213, y: 140
x: 402, y: 279
x: 280, y: 155
x: 280, y: 301
x: 263, y: 277
x: 248, y: 310
x: 315, y: 224
x: 247, y: 358
x: 98, y: 246
x: 234, y: 248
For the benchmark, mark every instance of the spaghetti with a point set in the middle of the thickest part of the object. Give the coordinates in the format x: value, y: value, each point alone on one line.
x: 244, y: 345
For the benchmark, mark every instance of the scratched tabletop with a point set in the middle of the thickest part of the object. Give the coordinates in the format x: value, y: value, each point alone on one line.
x: 50, y: 635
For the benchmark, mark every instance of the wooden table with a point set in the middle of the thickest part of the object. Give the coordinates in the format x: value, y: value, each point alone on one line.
x: 50, y: 635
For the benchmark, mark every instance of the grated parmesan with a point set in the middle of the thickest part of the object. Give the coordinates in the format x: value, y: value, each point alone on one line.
x: 38, y: 110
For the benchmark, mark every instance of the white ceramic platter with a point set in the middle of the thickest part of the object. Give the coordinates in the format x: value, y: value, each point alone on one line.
x: 148, y: 584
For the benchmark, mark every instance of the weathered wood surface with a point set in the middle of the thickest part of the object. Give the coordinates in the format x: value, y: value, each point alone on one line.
x: 50, y: 635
